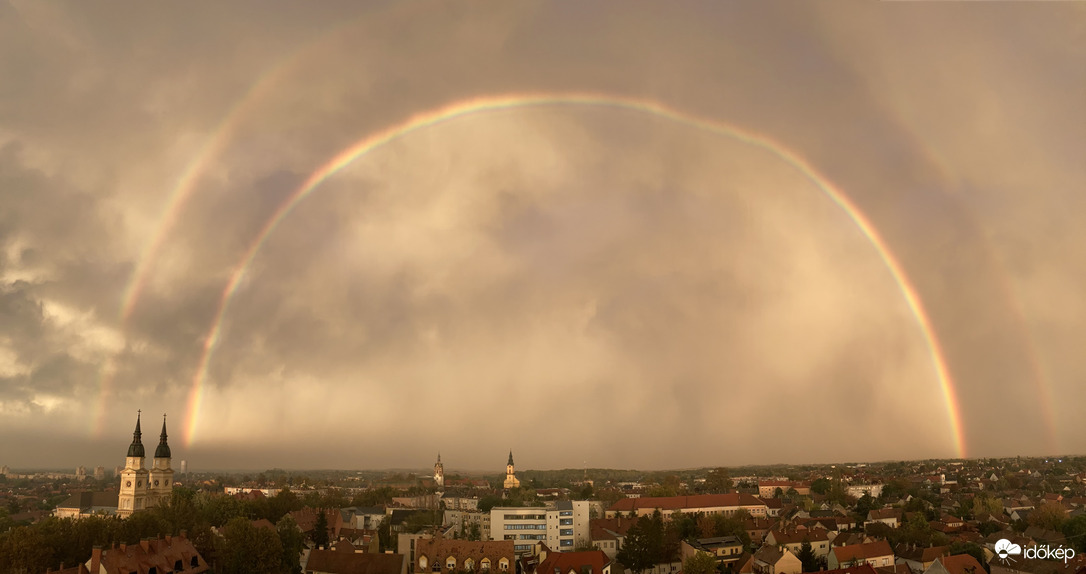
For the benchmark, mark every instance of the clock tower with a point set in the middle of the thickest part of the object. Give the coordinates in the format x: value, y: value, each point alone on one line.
x: 161, y: 478
x: 134, y: 478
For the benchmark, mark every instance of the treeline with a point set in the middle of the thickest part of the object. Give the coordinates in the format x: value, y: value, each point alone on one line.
x: 238, y: 547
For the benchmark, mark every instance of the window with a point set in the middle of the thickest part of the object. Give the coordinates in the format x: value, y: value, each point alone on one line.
x: 565, y: 543
x: 178, y: 565
x: 566, y: 513
x: 565, y: 532
x: 566, y: 522
x: 195, y: 562
x: 485, y: 564
x: 469, y: 564
x: 503, y: 564
x: 450, y: 563
x: 422, y: 563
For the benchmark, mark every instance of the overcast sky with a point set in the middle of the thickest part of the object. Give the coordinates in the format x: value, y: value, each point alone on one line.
x: 582, y: 284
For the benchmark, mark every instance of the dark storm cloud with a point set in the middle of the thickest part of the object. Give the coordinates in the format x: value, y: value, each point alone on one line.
x: 570, y: 265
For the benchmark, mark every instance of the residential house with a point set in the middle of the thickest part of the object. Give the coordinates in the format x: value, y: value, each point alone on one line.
x: 874, y: 553
x: 772, y: 560
x: 888, y: 516
x: 957, y: 564
x: 793, y: 540
x: 919, y: 558
x: 726, y: 549
x: 608, y: 534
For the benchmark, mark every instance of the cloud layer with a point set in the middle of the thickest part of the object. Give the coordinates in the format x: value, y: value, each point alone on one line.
x: 583, y: 285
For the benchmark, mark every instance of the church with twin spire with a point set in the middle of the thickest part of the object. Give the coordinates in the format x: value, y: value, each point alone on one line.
x: 141, y: 487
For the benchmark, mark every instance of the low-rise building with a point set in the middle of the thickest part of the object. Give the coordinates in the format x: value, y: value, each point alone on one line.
x: 82, y: 504
x: 448, y: 556
x: 877, y: 554
x: 710, y: 504
x: 773, y: 560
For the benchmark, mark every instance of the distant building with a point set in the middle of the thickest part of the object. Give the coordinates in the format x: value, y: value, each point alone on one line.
x: 184, y: 467
x: 726, y: 504
x: 81, y: 473
x: 99, y: 472
x: 858, y: 490
x: 83, y: 504
x: 511, y: 480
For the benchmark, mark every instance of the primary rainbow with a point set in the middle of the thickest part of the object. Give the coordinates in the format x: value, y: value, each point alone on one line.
x: 515, y: 101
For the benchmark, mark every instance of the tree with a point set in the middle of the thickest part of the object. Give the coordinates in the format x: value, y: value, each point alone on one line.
x: 320, y: 530
x: 293, y: 541
x: 700, y: 563
x: 864, y: 505
x: 821, y: 486
x: 1075, y: 531
x: 969, y: 548
x: 807, y: 557
x: 718, y: 481
x: 473, y: 533
x: 637, y: 552
x: 1050, y: 516
x: 244, y: 549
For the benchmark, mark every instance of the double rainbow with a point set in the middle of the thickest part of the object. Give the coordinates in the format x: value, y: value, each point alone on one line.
x: 480, y: 105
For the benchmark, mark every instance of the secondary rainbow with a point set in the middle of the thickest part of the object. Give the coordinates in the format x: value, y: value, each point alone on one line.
x: 478, y: 105
x: 185, y: 185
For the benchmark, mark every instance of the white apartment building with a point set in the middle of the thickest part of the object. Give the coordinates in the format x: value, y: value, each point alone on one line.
x: 561, y: 528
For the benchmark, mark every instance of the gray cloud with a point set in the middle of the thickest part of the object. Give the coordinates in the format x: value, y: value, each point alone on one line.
x: 578, y: 284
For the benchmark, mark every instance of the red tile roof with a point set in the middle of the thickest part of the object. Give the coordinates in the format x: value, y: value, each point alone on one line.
x: 962, y: 564
x: 344, y: 560
x: 564, y: 562
x: 846, y: 554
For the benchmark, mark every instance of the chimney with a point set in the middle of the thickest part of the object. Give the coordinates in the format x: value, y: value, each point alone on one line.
x: 123, y: 546
x: 169, y: 539
x: 96, y: 559
x: 145, y: 544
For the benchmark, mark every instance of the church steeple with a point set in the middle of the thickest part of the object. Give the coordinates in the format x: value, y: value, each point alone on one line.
x: 510, y: 463
x: 135, y: 450
x: 163, y: 450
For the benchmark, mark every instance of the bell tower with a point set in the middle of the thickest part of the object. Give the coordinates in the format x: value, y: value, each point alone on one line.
x: 439, y: 473
x: 134, y: 477
x: 161, y: 478
x: 510, y: 477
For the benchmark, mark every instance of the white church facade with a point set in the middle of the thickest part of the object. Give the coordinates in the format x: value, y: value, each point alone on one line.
x: 141, y: 487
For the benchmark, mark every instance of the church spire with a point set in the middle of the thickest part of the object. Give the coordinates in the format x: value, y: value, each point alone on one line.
x: 510, y: 463
x: 163, y: 450
x: 136, y: 448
